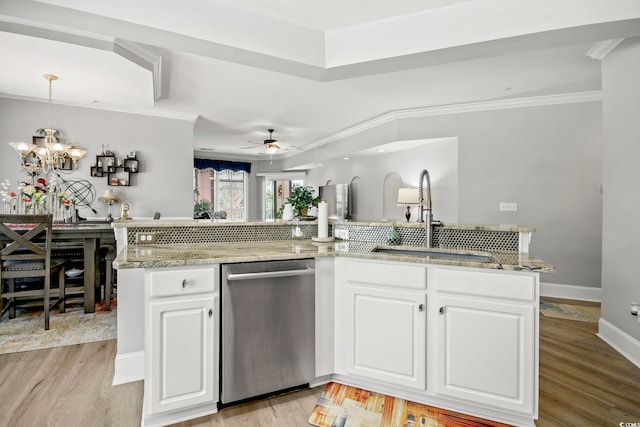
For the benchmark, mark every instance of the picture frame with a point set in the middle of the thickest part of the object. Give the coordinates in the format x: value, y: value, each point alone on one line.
x: 38, y: 141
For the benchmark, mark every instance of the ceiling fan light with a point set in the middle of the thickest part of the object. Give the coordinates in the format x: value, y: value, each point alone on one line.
x: 270, y: 148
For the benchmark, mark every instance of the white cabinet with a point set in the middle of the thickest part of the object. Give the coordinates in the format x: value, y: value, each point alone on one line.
x: 181, y: 343
x: 381, y: 322
x: 487, y: 338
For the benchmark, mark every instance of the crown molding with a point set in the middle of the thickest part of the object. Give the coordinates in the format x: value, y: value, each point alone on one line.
x: 164, y: 114
x: 599, y: 50
x: 144, y: 58
x: 500, y: 104
x: 33, y: 28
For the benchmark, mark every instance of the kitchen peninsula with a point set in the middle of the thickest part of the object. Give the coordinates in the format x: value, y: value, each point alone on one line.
x: 449, y: 331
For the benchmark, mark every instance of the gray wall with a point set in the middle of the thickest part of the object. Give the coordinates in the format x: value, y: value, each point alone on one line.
x: 163, y: 146
x: 374, y: 179
x: 621, y: 179
x: 547, y: 159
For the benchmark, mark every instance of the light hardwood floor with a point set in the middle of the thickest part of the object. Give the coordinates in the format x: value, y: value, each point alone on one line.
x: 583, y: 382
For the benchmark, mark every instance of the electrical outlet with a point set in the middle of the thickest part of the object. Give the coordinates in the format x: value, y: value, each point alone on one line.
x: 341, y: 247
x: 341, y: 233
x: 147, y: 238
x: 508, y: 207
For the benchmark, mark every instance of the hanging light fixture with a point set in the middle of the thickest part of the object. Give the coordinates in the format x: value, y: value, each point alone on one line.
x: 271, y: 145
x: 52, y: 155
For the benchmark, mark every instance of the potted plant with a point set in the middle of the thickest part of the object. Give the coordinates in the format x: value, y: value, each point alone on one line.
x: 301, y: 199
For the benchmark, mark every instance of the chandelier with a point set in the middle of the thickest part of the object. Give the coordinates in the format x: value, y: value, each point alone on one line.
x: 51, y: 155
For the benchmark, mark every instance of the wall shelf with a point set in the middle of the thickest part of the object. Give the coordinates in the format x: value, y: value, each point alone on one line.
x: 118, y: 171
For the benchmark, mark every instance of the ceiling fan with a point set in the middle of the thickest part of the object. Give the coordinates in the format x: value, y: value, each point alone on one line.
x: 269, y: 145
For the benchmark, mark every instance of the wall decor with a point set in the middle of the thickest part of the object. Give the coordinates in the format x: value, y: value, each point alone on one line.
x: 117, y: 170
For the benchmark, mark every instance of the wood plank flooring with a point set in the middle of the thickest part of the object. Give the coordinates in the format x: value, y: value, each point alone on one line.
x: 583, y: 382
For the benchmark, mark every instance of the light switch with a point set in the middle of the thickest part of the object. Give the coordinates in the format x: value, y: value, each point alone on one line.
x: 508, y: 206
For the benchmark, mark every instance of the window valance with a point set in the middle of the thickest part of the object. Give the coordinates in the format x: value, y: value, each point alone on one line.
x: 221, y: 165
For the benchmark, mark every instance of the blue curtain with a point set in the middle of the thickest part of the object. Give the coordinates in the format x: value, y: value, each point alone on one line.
x: 221, y: 165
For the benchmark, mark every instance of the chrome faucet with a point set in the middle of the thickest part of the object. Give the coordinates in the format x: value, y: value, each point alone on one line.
x: 428, y: 220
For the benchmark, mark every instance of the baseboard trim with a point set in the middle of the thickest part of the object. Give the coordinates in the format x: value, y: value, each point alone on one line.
x: 622, y: 342
x: 129, y: 367
x: 581, y: 293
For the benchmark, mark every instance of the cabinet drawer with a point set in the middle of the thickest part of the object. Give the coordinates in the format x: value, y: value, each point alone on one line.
x: 488, y: 284
x: 164, y: 283
x: 387, y: 274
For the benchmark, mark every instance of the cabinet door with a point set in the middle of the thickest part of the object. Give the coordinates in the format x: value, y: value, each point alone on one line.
x: 486, y: 353
x: 183, y: 352
x: 386, y: 335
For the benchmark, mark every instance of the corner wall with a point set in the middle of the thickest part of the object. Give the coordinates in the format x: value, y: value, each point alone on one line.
x: 621, y: 204
x: 163, y: 146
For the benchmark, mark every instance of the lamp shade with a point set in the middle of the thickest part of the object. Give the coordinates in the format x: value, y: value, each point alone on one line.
x: 108, y: 197
x: 408, y: 196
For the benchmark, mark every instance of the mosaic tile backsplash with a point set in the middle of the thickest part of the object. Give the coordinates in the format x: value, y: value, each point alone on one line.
x: 443, y: 237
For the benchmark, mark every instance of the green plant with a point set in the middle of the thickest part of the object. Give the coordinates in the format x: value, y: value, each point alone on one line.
x: 301, y: 198
x: 202, y: 205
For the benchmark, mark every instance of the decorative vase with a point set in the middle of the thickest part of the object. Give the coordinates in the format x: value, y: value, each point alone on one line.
x: 394, y: 237
x: 287, y: 213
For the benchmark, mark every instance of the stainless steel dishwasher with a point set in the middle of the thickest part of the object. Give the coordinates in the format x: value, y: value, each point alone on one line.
x: 268, y: 328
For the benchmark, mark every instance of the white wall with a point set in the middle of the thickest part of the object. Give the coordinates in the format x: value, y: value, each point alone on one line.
x: 163, y: 146
x: 621, y: 177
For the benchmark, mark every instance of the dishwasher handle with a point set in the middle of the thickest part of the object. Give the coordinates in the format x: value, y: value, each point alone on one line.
x: 269, y: 274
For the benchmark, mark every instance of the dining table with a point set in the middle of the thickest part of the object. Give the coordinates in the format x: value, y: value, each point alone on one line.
x: 90, y: 236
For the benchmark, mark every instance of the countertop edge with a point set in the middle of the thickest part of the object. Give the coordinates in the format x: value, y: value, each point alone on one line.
x: 176, y: 256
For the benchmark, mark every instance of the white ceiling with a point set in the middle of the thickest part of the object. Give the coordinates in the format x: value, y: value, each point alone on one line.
x: 243, y: 66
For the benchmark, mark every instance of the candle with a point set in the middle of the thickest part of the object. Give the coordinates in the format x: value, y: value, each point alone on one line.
x: 323, y: 220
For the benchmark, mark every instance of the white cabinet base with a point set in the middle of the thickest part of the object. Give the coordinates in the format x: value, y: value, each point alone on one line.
x: 177, y: 416
x: 129, y: 367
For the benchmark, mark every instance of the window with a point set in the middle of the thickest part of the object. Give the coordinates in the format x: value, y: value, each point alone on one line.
x: 277, y: 187
x: 220, y: 194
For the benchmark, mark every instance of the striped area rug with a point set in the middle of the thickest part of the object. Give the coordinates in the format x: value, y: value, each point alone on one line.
x: 26, y: 332
x: 582, y: 313
x: 346, y: 406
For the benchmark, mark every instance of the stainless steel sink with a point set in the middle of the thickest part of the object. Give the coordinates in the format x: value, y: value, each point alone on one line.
x: 436, y: 253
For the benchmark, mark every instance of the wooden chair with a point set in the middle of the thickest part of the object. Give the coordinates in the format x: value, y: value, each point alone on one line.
x: 110, y: 281
x: 26, y: 253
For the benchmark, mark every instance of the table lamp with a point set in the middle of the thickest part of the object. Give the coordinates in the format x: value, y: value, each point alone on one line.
x: 109, y: 199
x: 408, y: 197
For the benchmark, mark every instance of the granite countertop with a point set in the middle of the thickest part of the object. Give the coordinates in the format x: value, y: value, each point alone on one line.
x: 148, y: 256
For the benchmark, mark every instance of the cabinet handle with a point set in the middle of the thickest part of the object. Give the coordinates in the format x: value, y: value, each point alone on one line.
x: 184, y: 283
x: 210, y: 312
x: 421, y: 307
x: 441, y: 310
